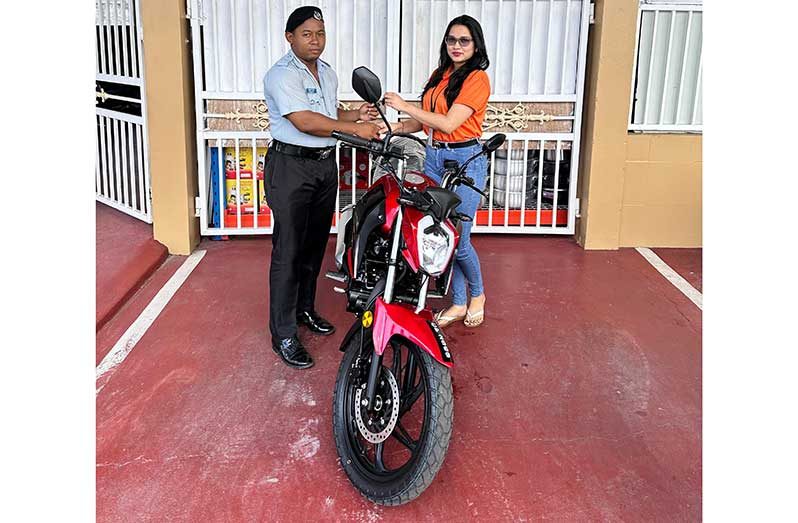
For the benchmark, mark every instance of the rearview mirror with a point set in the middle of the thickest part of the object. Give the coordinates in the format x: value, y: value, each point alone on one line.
x: 366, y: 85
x: 493, y: 143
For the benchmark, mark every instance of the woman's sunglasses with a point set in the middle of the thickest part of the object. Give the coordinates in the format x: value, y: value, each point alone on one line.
x: 464, y: 41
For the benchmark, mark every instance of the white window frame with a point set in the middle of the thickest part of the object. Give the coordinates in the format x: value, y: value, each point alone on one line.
x: 696, y: 121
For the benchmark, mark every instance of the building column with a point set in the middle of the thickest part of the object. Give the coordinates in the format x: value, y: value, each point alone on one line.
x: 606, y: 117
x: 171, y: 123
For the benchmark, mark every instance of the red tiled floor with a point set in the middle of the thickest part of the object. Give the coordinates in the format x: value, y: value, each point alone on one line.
x: 126, y: 255
x: 578, y: 399
x: 686, y: 262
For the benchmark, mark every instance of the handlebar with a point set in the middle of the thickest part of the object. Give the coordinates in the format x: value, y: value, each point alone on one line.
x: 416, y: 199
x: 469, y: 182
x: 379, y: 147
x: 374, y: 146
x: 357, y: 141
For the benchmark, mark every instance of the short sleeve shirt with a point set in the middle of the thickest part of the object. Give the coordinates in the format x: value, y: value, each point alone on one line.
x: 474, y: 94
x: 289, y: 87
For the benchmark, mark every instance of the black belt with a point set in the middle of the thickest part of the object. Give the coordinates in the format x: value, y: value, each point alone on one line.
x: 314, y: 153
x: 455, y: 145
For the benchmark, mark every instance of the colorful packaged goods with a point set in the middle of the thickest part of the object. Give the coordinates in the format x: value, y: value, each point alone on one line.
x: 246, y: 201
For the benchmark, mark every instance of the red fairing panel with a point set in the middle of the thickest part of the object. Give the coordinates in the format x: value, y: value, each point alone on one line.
x: 391, y: 188
x: 398, y: 319
x: 410, y: 259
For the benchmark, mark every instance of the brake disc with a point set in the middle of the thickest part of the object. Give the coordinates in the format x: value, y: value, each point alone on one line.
x: 378, y: 424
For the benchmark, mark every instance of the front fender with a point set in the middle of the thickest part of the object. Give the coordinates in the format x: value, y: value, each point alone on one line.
x: 392, y: 319
x: 356, y: 326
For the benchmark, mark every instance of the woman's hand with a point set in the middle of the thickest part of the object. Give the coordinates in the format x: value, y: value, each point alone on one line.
x: 396, y: 127
x: 367, y: 112
x: 395, y: 101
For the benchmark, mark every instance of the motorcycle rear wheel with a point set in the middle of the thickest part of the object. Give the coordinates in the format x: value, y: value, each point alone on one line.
x: 398, y: 469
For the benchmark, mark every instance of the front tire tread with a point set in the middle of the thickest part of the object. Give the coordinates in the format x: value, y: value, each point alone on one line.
x: 440, y: 430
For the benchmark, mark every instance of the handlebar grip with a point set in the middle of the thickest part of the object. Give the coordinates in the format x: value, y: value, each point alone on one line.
x: 415, y: 199
x: 405, y: 201
x: 479, y: 191
x: 355, y: 140
x: 469, y: 182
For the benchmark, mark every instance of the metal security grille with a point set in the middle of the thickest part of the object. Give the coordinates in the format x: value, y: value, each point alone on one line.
x: 533, y: 45
x: 243, y: 38
x: 122, y: 178
x: 538, y: 51
x: 667, y: 90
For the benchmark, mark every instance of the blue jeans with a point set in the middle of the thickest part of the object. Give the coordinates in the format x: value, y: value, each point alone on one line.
x: 466, y: 267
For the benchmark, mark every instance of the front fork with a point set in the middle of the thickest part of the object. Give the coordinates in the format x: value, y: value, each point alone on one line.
x: 393, y: 260
x: 376, y: 359
x: 397, y: 239
x: 374, y: 371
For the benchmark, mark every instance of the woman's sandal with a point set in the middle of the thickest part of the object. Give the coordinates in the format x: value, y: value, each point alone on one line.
x: 474, y: 320
x: 444, y: 321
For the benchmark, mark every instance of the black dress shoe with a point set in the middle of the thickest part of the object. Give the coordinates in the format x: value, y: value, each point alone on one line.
x: 292, y: 353
x: 315, y: 323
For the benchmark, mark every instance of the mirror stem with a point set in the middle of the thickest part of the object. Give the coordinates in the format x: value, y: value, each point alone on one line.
x: 388, y: 125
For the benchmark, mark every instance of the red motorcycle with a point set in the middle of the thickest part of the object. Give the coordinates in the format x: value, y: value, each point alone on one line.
x: 393, y: 404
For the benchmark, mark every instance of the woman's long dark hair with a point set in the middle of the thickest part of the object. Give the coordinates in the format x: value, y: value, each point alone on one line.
x: 479, y: 61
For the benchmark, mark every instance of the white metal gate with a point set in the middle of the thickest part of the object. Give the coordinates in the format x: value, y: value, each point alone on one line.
x: 122, y: 174
x: 537, y: 49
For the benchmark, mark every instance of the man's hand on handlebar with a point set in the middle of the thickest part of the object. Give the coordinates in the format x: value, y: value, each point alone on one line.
x: 368, y: 130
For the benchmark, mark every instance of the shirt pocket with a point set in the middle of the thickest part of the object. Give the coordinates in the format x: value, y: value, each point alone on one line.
x: 314, y: 96
x: 331, y: 102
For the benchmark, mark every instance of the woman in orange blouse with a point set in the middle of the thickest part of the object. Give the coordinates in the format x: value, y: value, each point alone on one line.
x: 454, y: 102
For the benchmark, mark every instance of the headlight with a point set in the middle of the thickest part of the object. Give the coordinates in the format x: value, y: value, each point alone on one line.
x: 435, y: 247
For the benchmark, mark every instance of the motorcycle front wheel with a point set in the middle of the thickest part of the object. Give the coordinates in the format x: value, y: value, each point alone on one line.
x: 392, y: 452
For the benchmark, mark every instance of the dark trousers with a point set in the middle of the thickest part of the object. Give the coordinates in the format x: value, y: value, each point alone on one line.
x: 301, y: 195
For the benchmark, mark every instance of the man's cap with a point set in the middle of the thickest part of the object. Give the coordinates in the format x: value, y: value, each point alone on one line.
x: 301, y: 14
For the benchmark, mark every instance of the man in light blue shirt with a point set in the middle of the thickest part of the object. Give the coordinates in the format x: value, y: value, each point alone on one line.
x: 301, y: 178
x: 290, y: 87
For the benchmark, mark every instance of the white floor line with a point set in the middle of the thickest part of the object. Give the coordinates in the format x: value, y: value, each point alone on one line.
x: 672, y: 276
x: 139, y: 327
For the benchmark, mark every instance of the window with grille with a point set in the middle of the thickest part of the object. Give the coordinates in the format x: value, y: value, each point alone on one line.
x: 666, y: 93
